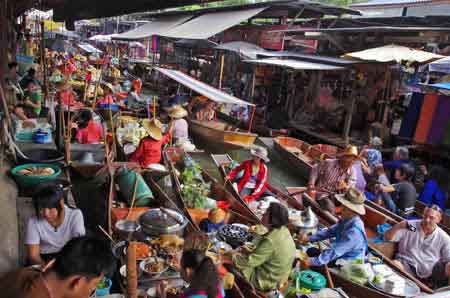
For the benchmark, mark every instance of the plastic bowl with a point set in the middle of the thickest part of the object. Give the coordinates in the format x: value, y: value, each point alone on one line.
x: 152, y: 259
x: 31, y: 181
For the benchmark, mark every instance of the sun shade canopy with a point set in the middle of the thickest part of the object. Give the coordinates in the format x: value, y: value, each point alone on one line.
x: 159, y: 26
x: 441, y: 65
x: 394, y: 53
x: 296, y: 64
x: 202, y: 88
x: 209, y: 24
x: 88, y: 48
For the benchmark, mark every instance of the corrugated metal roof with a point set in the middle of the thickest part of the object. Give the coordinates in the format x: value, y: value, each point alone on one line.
x: 390, y: 3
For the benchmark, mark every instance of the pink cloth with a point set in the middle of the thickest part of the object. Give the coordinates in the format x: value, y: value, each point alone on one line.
x: 92, y: 134
x: 180, y: 129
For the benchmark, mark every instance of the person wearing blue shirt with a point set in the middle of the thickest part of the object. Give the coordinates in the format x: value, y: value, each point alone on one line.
x: 435, y: 189
x: 401, y: 156
x: 350, y: 236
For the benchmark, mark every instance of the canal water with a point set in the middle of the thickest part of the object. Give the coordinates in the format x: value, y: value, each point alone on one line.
x: 280, y: 174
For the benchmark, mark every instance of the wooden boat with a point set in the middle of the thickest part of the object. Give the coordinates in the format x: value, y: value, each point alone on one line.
x: 237, y: 213
x: 225, y: 135
x: 371, y: 220
x: 302, y: 156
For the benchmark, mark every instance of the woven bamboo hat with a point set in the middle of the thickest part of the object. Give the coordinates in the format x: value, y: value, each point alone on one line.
x: 153, y: 128
x: 177, y: 112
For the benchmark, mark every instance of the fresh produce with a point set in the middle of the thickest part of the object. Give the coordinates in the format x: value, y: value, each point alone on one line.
x: 102, y: 284
x: 194, y: 189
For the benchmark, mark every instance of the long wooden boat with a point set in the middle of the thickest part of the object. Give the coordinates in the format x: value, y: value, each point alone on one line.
x: 225, y: 135
x: 238, y: 212
x: 371, y: 220
x: 302, y: 156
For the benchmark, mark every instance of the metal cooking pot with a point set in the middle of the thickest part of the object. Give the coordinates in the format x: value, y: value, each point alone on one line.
x: 160, y: 221
x: 127, y: 226
x: 304, y: 221
x: 234, y: 234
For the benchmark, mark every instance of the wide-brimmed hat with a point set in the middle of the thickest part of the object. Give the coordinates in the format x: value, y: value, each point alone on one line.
x: 81, y: 58
x: 91, y: 68
x: 350, y: 150
x: 353, y: 199
x: 376, y: 141
x: 260, y: 152
x: 153, y: 128
x: 177, y: 112
x: 109, y: 86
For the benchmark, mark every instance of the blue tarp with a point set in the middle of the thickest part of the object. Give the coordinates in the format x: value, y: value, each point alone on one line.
x: 445, y: 86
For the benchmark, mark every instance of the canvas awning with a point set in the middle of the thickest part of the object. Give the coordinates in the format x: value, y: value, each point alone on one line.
x: 209, y: 24
x: 202, y: 88
x: 88, y: 48
x: 243, y: 48
x: 296, y: 64
x: 394, y: 53
x: 159, y: 26
x: 441, y: 65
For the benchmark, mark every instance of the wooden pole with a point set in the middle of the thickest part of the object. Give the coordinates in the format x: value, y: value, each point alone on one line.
x: 131, y: 270
x: 250, y: 124
x: 44, y: 63
x: 154, y: 107
x: 5, y: 107
x: 222, y: 62
x: 96, y: 86
x: 349, y: 116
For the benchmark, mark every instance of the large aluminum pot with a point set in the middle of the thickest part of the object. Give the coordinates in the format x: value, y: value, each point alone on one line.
x: 160, y: 221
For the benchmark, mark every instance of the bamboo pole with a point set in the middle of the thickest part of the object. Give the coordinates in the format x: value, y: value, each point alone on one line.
x: 250, y: 124
x: 44, y: 63
x: 131, y: 270
x: 154, y: 107
x: 222, y: 62
x: 96, y: 86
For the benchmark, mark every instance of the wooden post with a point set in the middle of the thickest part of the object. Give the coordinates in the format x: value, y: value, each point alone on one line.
x: 250, y: 124
x: 131, y: 270
x: 222, y: 61
x: 44, y: 63
x: 349, y: 116
x: 252, y: 91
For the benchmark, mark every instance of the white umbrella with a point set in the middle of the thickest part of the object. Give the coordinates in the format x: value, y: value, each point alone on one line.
x: 441, y: 65
x: 394, y: 53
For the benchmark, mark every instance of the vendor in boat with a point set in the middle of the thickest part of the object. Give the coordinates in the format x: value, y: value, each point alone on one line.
x: 400, y: 197
x: 108, y: 95
x: 134, y: 100
x: 270, y: 263
x: 150, y: 147
x: 351, y: 238
x: 333, y: 175
x: 31, y: 104
x: 75, y: 273
x: 423, y: 247
x: 116, y: 88
x: 253, y: 183
x: 207, y: 113
x: 88, y: 131
x: 53, y: 225
x: 180, y: 125
x: 201, y: 273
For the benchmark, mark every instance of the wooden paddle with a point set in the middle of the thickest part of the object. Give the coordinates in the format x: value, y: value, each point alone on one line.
x: 133, y: 198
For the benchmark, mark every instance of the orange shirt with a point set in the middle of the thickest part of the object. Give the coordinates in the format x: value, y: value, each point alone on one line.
x: 92, y: 134
x: 149, y: 151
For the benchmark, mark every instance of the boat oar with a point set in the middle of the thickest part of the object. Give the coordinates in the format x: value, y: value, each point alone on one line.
x: 327, y: 270
x: 107, y: 234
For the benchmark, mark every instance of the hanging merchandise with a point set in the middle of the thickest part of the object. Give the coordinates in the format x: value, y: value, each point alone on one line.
x: 423, y: 127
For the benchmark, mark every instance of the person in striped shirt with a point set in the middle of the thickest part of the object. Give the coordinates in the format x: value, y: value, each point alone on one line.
x: 334, y: 176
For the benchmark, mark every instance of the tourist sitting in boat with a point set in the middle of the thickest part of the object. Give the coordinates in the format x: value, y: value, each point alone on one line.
x: 333, y: 176
x: 31, y: 104
x: 88, y: 131
x: 401, y: 156
x: 350, y: 235
x: 150, y: 147
x: 53, y: 225
x: 423, y: 247
x: 240, y: 112
x: 400, y: 198
x: 81, y: 265
x: 253, y: 183
x: 270, y: 263
x: 372, y: 155
x: 200, y: 272
x: 435, y: 190
x: 206, y: 112
x: 381, y: 178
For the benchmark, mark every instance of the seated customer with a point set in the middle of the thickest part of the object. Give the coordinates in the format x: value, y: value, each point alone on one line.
x: 403, y: 193
x: 270, y: 263
x: 53, y: 225
x: 435, y: 190
x: 81, y: 265
x: 424, y: 248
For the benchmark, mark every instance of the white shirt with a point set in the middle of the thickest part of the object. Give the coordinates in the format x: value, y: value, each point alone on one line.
x: 422, y: 252
x: 40, y: 232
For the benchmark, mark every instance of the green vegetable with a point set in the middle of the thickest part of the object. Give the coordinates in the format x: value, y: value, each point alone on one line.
x: 102, y: 284
x: 195, y: 190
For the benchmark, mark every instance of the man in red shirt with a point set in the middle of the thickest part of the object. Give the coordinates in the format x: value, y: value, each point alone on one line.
x: 89, y: 131
x: 149, y: 149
